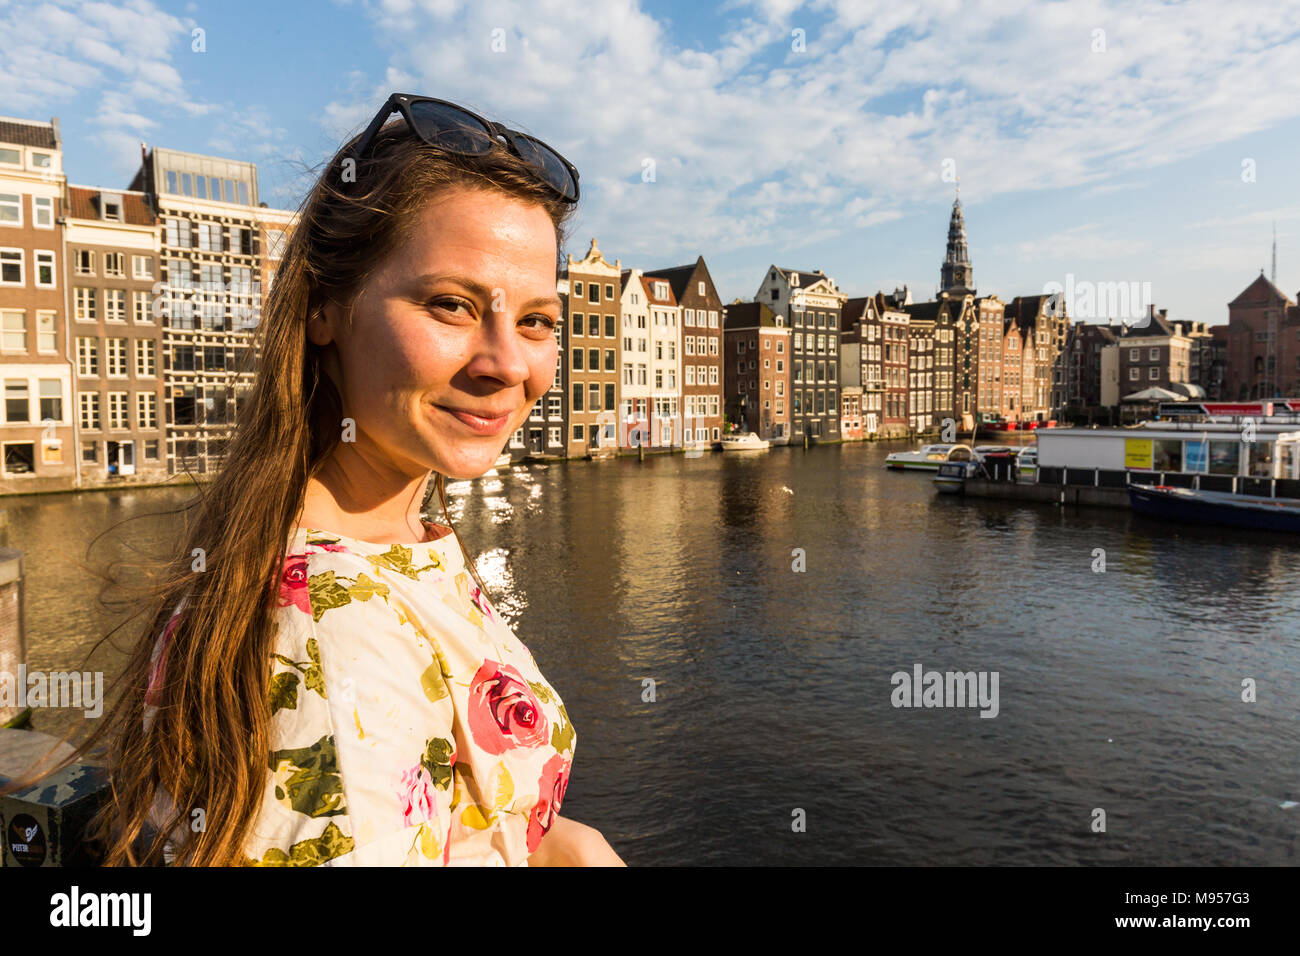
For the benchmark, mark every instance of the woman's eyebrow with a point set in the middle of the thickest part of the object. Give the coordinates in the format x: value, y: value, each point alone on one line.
x: 482, y: 291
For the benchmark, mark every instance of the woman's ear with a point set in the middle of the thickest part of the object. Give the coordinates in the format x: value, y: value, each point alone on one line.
x: 321, y: 325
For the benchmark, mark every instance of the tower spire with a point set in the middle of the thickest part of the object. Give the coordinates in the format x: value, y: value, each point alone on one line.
x: 1274, y: 277
x: 956, y: 272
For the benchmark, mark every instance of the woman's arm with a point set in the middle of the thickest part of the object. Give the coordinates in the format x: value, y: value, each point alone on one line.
x: 570, y: 843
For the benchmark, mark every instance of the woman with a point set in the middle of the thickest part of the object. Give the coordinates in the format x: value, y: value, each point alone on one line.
x: 330, y: 684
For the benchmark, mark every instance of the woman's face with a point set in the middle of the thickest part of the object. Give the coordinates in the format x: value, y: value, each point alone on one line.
x: 451, y: 341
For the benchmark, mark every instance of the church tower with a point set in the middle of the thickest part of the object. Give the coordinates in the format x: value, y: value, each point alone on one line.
x: 955, y: 274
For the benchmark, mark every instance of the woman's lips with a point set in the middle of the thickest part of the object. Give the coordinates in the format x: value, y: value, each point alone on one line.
x: 479, y: 424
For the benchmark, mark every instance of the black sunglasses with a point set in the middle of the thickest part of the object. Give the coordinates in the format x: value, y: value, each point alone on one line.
x: 457, y: 130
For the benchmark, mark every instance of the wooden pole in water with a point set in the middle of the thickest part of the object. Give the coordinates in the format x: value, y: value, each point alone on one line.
x: 13, y: 646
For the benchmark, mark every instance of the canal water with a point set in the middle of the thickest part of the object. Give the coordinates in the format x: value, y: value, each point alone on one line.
x: 770, y: 735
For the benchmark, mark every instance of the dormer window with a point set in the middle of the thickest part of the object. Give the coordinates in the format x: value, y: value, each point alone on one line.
x: 661, y: 290
x: 110, y: 207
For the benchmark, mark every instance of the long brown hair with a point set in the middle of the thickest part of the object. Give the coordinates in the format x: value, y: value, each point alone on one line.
x: 206, y: 745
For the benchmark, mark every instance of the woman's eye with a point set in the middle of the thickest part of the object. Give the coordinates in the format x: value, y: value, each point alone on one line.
x: 544, y: 322
x: 449, y: 305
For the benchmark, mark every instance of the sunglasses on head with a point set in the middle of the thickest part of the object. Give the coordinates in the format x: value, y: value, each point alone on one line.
x: 457, y: 130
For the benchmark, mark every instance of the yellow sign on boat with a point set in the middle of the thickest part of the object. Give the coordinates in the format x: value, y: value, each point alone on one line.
x: 1137, y: 453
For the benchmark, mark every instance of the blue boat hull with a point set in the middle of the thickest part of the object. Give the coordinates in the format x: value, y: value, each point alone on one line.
x: 1174, y: 507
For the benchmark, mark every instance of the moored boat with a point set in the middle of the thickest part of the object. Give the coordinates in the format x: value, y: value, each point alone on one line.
x: 744, y: 441
x: 928, y: 457
x: 1216, y: 507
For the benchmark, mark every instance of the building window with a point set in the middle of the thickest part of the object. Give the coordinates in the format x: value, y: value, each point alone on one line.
x: 146, y: 410
x: 577, y: 398
x: 1134, y: 374
x: 577, y: 433
x: 1154, y: 374
x: 44, y: 268
x: 84, y: 305
x: 11, y: 267
x: 140, y: 302
x: 145, y: 357
x: 11, y: 209
x: 142, y: 267
x: 116, y: 358
x: 89, y: 404
x: 115, y: 305
x: 275, y: 240
x: 87, y: 357
x: 47, y: 339
x: 577, y: 360
x: 593, y: 397
x: 15, y: 331
x: 43, y: 212
x: 117, y: 416
x: 115, y: 265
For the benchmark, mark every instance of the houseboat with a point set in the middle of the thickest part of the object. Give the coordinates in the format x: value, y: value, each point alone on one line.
x: 1237, y: 454
x: 929, y: 457
x: 1216, y: 507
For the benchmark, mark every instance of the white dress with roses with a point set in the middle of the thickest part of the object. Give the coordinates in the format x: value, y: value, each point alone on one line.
x: 410, y: 726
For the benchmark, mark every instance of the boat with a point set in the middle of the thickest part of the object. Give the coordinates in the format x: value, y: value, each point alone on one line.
x: 744, y: 441
x: 1027, y: 461
x: 503, y: 461
x: 950, y: 477
x: 1216, y: 507
x: 929, y: 457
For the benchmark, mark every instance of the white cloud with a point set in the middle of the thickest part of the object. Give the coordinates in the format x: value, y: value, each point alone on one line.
x: 748, y: 134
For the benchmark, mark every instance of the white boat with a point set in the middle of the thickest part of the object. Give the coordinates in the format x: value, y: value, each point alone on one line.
x: 503, y: 461
x: 929, y: 457
x: 1027, y: 462
x: 744, y: 441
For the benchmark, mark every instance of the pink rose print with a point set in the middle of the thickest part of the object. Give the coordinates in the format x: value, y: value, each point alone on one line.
x: 550, y: 788
x: 417, y: 796
x: 293, y: 583
x: 157, y: 670
x: 503, y: 713
x: 316, y: 549
x: 481, y: 602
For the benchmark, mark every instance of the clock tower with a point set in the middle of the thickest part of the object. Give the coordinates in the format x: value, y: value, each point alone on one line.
x: 956, y: 275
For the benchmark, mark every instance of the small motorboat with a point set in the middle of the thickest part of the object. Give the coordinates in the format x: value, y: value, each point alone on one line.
x: 744, y: 441
x: 503, y: 461
x: 929, y: 457
x: 1216, y: 507
x: 950, y: 478
x: 1027, y: 461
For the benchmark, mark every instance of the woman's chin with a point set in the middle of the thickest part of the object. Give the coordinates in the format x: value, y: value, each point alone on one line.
x: 471, y: 465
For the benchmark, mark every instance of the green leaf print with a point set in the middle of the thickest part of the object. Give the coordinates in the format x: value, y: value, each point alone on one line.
x: 562, y: 735
x: 314, y: 788
x: 542, y: 691
x: 310, y: 669
x: 330, y: 844
x: 284, y: 692
x: 326, y: 593
x: 398, y: 558
x: 432, y: 683
x: 437, y: 760
x: 313, y: 677
x: 365, y: 588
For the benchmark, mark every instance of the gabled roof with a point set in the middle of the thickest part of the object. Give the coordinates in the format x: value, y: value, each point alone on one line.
x: 648, y: 283
x: 852, y: 311
x: 678, y: 277
x: 806, y: 279
x: 1260, y: 292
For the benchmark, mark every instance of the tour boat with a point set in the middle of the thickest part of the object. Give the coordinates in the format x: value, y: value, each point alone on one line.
x: 744, y: 441
x: 950, y: 476
x: 1216, y: 507
x: 929, y: 458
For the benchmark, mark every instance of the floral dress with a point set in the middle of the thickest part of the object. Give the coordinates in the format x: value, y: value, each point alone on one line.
x: 410, y: 727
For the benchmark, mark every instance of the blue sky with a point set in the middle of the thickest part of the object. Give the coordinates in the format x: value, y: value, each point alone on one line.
x: 1100, y: 140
